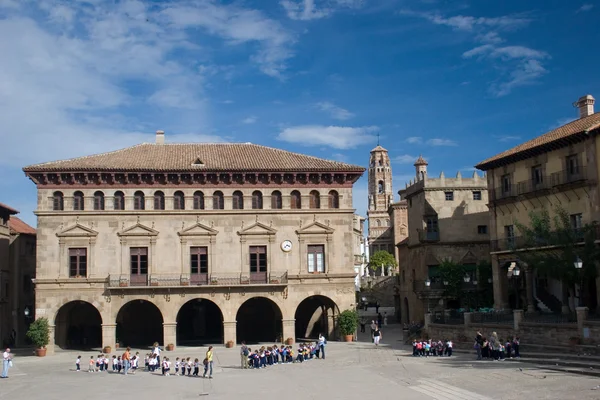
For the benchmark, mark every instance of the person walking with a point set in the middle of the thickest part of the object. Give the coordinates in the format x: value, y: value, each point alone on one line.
x: 376, y: 336
x: 126, y: 359
x: 244, y: 353
x: 322, y: 343
x: 373, y: 326
x: 156, y: 351
x: 208, y: 362
x: 478, y: 344
x: 363, y: 323
x: 6, y: 362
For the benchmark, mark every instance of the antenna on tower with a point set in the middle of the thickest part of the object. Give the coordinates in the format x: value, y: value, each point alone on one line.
x: 377, y: 138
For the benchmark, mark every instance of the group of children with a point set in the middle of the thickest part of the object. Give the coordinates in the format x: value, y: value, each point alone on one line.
x: 426, y: 348
x: 265, y: 356
x: 496, y: 349
x: 102, y: 363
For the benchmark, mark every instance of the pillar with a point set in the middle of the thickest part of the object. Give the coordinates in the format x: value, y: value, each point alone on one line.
x: 289, y: 329
x: 582, y: 314
x: 427, y: 321
x: 517, y: 318
x: 50, y: 346
x: 467, y: 317
x: 169, y: 333
x: 330, y: 322
x: 500, y: 285
x: 229, y: 331
x: 529, y: 282
x: 109, y: 335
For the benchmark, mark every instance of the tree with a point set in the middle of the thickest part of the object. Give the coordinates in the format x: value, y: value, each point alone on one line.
x: 452, y: 275
x: 552, y: 245
x: 381, y: 258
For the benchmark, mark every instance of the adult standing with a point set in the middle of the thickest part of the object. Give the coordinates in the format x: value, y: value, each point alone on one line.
x: 377, y: 307
x: 385, y: 320
x: 208, y: 362
x: 478, y: 344
x: 377, y: 336
x: 244, y: 353
x: 126, y: 358
x: 373, y: 326
x: 156, y: 351
x: 322, y: 343
x: 6, y: 361
x: 379, y: 320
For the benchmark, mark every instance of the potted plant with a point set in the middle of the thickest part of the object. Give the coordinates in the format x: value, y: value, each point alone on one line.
x: 118, y: 344
x: 214, y: 281
x: 229, y: 344
x: 38, y: 333
x: 348, y: 322
x: 107, y: 350
x: 170, y: 347
x: 123, y: 283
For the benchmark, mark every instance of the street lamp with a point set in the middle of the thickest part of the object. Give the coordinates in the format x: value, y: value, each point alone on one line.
x: 578, y: 263
x: 579, y: 267
x: 446, y: 283
x: 516, y: 273
x: 466, y: 278
x: 427, y: 282
x: 489, y: 280
x: 26, y: 312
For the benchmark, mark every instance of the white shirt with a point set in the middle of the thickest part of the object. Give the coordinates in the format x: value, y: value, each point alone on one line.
x: 156, y: 351
x: 6, y: 355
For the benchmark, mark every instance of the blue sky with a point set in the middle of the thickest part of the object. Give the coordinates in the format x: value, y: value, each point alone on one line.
x: 456, y: 81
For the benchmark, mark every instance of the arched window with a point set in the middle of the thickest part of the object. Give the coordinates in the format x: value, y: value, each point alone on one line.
x: 378, y: 222
x: 380, y: 187
x: 139, y: 201
x: 159, y: 200
x: 119, y: 201
x: 295, y: 200
x: 98, y: 201
x: 334, y: 199
x: 380, y: 163
x: 257, y: 200
x: 218, y: 201
x: 198, y: 200
x: 387, y: 222
x: 179, y: 201
x: 78, y: 201
x: 276, y: 203
x: 315, y: 199
x: 238, y: 200
x: 58, y: 202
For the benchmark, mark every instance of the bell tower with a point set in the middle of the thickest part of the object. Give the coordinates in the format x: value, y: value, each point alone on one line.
x: 380, y: 198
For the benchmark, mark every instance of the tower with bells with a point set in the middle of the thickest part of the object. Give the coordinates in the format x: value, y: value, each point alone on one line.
x: 380, y: 198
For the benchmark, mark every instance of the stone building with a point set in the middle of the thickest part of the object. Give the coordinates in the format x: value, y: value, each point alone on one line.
x: 447, y: 220
x: 192, y: 244
x: 5, y: 311
x: 558, y: 168
x: 359, y: 250
x: 380, y: 236
x: 398, y: 212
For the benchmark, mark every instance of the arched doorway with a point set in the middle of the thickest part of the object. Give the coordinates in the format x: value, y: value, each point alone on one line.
x: 405, y: 312
x: 139, y: 324
x: 78, y: 325
x: 199, y: 322
x: 314, y: 315
x: 259, y: 320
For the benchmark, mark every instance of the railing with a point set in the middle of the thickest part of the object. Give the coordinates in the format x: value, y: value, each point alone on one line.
x: 428, y: 236
x: 449, y: 318
x: 537, y: 318
x: 217, y: 279
x: 555, y: 179
x: 436, y: 284
x: 568, y: 176
x: 555, y: 238
x: 493, y: 317
x: 533, y: 185
x: 594, y: 316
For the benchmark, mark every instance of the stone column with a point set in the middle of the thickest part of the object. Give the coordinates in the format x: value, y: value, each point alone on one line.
x: 109, y: 335
x: 427, y: 321
x: 529, y: 287
x: 169, y: 333
x: 467, y: 317
x: 500, y: 289
x: 330, y: 323
x: 518, y: 317
x: 50, y: 346
x: 229, y: 331
x: 582, y: 314
x: 289, y: 329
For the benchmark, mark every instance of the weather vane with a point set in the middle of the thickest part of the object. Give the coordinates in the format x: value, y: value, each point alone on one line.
x: 377, y: 138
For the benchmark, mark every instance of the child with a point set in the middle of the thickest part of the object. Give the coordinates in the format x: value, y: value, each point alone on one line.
x: 114, y: 363
x: 105, y: 359
x: 189, y: 366
x: 119, y: 364
x: 177, y: 366
x: 91, y: 366
x: 98, y: 359
x: 196, y: 367
x: 77, y: 364
x: 167, y: 367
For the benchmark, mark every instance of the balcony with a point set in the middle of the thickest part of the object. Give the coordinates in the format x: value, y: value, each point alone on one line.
x: 426, y: 236
x: 195, y: 280
x: 554, y: 239
x: 556, y: 180
x: 569, y: 177
x: 533, y: 186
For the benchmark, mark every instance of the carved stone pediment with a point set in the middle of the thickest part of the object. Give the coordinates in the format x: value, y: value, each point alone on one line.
x: 315, y: 228
x: 257, y: 229
x: 138, y: 230
x: 469, y: 258
x: 77, y: 230
x: 198, y: 229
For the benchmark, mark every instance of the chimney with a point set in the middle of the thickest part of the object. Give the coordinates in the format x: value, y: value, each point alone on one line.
x: 160, y: 137
x: 585, y: 105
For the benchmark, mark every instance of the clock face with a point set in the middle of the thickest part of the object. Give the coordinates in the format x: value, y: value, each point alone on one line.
x: 286, y: 245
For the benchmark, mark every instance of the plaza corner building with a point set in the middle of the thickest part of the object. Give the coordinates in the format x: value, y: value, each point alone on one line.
x: 192, y: 244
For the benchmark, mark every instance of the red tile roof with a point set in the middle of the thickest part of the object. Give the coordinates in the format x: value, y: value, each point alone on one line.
x: 18, y: 226
x: 9, y: 209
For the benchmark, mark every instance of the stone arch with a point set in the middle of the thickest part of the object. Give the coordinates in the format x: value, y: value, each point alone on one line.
x: 78, y: 325
x: 139, y: 323
x: 199, y: 322
x: 259, y: 319
x: 315, y: 314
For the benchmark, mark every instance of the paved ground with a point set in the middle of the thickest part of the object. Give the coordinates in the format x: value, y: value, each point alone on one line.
x: 351, y: 371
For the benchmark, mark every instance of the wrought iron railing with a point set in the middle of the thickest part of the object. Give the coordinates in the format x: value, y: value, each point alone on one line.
x: 555, y: 238
x: 539, y: 318
x: 493, y: 317
x: 449, y: 318
x: 216, y: 279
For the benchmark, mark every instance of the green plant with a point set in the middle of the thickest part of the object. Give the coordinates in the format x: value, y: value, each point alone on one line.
x: 381, y: 258
x: 348, y: 322
x: 39, y: 333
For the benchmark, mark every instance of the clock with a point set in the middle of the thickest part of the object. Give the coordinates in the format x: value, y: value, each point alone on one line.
x: 286, y: 246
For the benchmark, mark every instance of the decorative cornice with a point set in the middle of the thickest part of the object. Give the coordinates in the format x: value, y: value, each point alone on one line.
x: 77, y: 230
x: 138, y: 230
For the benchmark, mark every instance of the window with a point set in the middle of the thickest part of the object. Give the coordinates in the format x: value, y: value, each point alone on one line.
x: 576, y: 221
x: 78, y: 201
x: 316, y: 261
x: 257, y: 200
x: 77, y: 263
x: 378, y: 223
x: 572, y: 167
x: 537, y: 175
x: 58, y: 203
x: 334, y: 199
x: 295, y: 200
x: 159, y: 200
x: 449, y: 196
x: 506, y: 187
x: 98, y: 201
x: 139, y: 201
x: 198, y: 200
x: 258, y: 259
x: 199, y: 260
x: 509, y: 234
x: 139, y: 260
x: 238, y: 200
x: 315, y: 199
x: 482, y: 229
x: 410, y: 202
x: 276, y: 201
x: 380, y: 187
x: 119, y: 201
x: 477, y: 195
x: 432, y: 224
x: 218, y: 201
x: 179, y: 201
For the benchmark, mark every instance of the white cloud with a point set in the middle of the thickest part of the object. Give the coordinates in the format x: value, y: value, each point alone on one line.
x: 306, y: 10
x: 337, y: 137
x: 340, y: 157
x: 469, y: 23
x: 404, y: 159
x: 249, y: 120
x: 414, y: 140
x: 508, y: 138
x: 585, y: 8
x: 334, y: 111
x: 9, y: 4
x: 526, y: 73
x: 441, y: 142
x: 518, y: 52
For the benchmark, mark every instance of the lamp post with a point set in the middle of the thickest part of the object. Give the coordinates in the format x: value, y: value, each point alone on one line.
x: 579, y: 267
x: 428, y: 285
x: 516, y: 273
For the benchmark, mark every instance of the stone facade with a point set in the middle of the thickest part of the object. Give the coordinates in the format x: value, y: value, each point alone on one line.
x: 380, y: 235
x: 250, y: 270
x: 447, y: 220
x: 398, y: 213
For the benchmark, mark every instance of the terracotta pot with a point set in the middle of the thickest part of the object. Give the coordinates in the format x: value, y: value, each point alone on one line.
x: 107, y: 350
x: 122, y: 284
x: 348, y: 338
x: 186, y: 283
x: 170, y: 347
x: 229, y: 344
x: 40, y: 352
x: 117, y: 345
x: 289, y: 341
